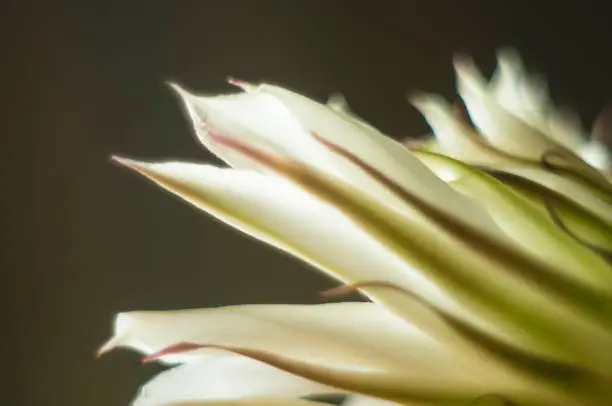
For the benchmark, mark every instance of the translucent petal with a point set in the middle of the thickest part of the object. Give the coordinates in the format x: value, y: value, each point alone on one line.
x: 454, y: 138
x: 404, y: 390
x: 259, y: 118
x: 224, y: 377
x: 489, y: 285
x: 528, y: 226
x: 350, y: 338
x: 291, y: 219
x: 502, y: 128
x: 346, y: 334
x: 386, y: 155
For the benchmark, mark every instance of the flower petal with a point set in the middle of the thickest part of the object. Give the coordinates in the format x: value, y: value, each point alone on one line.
x: 405, y: 388
x: 367, y: 401
x: 254, y: 401
x: 502, y: 128
x: 258, y: 118
x: 341, y: 334
x: 489, y: 285
x: 527, y: 98
x: 358, y: 339
x: 224, y: 377
x: 289, y: 218
x: 385, y: 154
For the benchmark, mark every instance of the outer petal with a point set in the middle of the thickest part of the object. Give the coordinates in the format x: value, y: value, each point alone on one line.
x: 340, y: 334
x: 486, y: 275
x: 383, y: 153
x: 354, y: 341
x: 261, y: 119
x: 366, y: 352
x: 248, y: 207
x: 224, y: 377
x: 404, y: 389
x: 292, y: 220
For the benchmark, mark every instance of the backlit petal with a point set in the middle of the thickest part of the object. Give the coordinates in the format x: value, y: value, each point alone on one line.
x: 291, y: 219
x: 224, y: 377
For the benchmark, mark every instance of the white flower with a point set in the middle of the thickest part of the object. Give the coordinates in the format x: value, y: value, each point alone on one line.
x: 487, y: 262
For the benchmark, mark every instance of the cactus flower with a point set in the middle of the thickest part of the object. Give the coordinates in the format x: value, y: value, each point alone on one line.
x: 484, y: 252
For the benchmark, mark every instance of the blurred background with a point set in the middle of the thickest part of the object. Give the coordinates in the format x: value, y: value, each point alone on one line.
x: 84, y: 239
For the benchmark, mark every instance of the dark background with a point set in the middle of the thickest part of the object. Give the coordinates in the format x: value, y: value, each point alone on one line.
x: 84, y: 239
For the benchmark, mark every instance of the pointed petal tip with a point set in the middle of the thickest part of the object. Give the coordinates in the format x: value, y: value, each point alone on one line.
x: 127, y: 162
x: 101, y: 351
x: 108, y: 346
x: 170, y: 84
x: 176, y: 87
x: 418, y: 99
x: 508, y: 55
x: 242, y: 84
x: 465, y: 66
x: 460, y: 59
x: 142, y: 168
x: 428, y: 103
x: 187, y: 97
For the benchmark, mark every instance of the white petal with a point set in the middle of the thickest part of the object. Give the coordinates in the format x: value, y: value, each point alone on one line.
x: 502, y: 128
x: 521, y: 95
x: 357, y: 340
x: 339, y: 334
x: 452, y: 136
x: 292, y: 220
x: 258, y: 118
x: 224, y: 377
x: 386, y: 155
x: 403, y: 238
x: 367, y: 401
